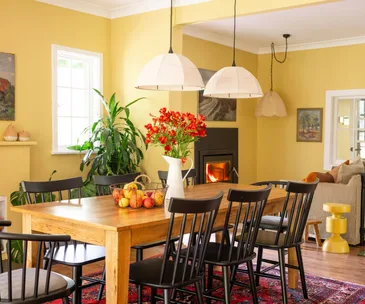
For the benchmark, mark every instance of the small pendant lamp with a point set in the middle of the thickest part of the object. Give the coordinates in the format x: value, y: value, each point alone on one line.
x: 233, y: 82
x: 170, y: 72
x: 271, y: 104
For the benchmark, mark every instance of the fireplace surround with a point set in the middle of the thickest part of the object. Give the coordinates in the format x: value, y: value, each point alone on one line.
x: 216, y: 156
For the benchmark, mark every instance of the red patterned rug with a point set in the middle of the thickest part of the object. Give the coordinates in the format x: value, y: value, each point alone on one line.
x: 320, y: 290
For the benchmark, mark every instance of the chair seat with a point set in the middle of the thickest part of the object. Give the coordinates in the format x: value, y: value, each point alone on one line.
x: 271, y: 222
x: 154, y: 244
x: 211, y: 256
x: 148, y: 273
x: 77, y: 255
x: 57, y: 283
x: 267, y: 239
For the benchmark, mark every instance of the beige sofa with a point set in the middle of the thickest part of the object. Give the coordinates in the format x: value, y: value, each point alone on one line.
x: 339, y: 193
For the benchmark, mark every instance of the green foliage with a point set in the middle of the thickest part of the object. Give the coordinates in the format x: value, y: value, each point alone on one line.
x: 17, y: 251
x: 115, y: 144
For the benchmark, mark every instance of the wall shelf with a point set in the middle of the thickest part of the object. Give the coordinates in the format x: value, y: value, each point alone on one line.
x: 17, y: 143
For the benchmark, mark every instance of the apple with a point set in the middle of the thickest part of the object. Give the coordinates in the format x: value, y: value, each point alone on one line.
x: 116, y: 195
x: 124, y: 202
x: 148, y: 203
x: 128, y: 193
x: 140, y: 193
x: 149, y: 193
x: 130, y: 186
x: 158, y: 196
x: 136, y: 201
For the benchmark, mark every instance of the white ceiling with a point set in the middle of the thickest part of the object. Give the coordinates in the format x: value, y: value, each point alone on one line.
x: 117, y: 8
x: 325, y: 25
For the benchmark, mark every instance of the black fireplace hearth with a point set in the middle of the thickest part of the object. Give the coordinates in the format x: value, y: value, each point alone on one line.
x: 216, y: 156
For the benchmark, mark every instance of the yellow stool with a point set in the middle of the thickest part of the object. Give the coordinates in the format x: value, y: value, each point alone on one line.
x: 337, y: 225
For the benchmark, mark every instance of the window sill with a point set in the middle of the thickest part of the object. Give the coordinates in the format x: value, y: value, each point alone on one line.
x: 68, y: 152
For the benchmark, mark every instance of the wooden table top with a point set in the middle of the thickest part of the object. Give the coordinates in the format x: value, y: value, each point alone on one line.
x: 101, y: 212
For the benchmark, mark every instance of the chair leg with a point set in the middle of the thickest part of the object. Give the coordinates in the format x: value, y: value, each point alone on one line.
x: 227, y: 289
x: 301, y: 271
x: 199, y: 292
x: 65, y: 300
x: 282, y: 275
x: 252, y: 282
x: 318, y: 235
x: 210, y: 281
x: 166, y: 296
x: 76, y: 276
x: 139, y: 257
x: 258, y: 264
x: 306, y: 233
x: 153, y: 295
x: 102, y: 286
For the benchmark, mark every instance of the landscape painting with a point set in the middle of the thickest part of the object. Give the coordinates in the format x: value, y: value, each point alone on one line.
x: 309, y: 125
x: 216, y: 109
x: 7, y: 86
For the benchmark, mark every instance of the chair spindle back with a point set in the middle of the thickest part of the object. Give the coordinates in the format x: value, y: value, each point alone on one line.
x: 246, y: 208
x: 197, y: 220
x: 14, y: 239
x: 296, y: 207
x: 102, y: 182
x: 52, y: 191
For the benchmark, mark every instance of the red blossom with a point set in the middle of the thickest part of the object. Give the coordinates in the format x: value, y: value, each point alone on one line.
x: 175, y: 131
x: 162, y: 140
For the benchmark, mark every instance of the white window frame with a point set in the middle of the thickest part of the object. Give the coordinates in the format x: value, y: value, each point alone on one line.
x: 330, y: 140
x: 98, y: 57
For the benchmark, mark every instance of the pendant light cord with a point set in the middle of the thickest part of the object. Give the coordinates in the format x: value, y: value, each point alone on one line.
x: 234, y: 33
x: 273, y: 56
x: 171, y: 51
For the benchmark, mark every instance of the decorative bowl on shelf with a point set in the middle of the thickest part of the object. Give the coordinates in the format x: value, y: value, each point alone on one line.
x: 139, y: 194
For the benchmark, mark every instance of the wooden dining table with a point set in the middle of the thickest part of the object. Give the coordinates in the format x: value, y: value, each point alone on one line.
x: 97, y: 220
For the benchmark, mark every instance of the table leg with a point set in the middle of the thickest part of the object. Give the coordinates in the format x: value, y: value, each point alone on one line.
x: 292, y: 273
x: 32, y: 248
x: 117, y: 261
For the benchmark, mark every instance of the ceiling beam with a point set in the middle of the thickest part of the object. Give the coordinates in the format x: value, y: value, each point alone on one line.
x: 223, y: 9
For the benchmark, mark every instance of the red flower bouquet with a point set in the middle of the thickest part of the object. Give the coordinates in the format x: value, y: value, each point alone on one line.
x: 174, y: 131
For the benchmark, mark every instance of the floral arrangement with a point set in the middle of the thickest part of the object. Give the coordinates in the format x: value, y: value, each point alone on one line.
x: 175, y: 131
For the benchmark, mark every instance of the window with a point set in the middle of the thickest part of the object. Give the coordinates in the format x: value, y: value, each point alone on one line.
x: 75, y: 104
x: 345, y: 126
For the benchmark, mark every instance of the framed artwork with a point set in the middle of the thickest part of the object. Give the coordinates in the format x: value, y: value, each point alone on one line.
x: 215, y: 109
x: 309, y: 125
x: 7, y: 86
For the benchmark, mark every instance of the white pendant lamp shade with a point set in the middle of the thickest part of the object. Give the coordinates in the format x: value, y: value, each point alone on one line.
x: 170, y: 72
x: 233, y: 82
x: 271, y: 105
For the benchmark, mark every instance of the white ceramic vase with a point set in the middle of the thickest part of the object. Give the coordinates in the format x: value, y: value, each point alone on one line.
x: 175, y: 181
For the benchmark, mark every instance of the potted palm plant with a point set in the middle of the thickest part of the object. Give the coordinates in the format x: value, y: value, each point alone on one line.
x: 114, y: 146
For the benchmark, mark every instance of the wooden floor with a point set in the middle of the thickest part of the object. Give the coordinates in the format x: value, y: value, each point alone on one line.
x: 344, y: 267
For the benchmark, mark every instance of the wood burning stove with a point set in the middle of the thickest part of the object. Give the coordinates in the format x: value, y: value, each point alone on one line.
x: 216, y: 156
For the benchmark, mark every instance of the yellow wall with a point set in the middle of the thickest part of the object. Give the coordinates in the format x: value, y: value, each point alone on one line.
x: 302, y: 82
x: 134, y: 41
x: 212, y: 56
x: 29, y: 30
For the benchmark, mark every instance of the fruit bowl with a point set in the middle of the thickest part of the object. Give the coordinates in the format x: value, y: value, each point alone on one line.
x: 137, y: 194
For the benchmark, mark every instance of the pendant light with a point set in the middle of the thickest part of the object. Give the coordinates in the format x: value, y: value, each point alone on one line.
x: 233, y: 82
x: 170, y: 72
x: 271, y: 104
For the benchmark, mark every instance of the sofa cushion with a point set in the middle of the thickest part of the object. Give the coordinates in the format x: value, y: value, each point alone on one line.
x: 334, y: 171
x: 57, y: 283
x: 346, y: 172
